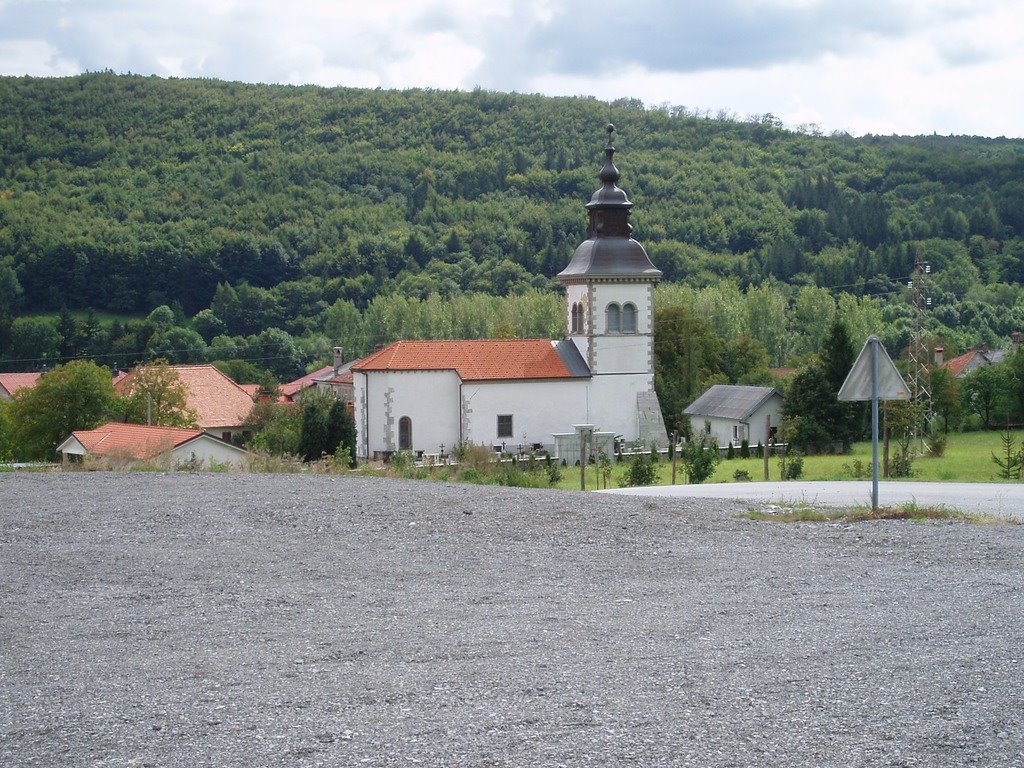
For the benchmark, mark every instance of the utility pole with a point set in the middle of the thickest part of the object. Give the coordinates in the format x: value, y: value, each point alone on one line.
x: 675, y: 454
x: 920, y: 355
x: 767, y: 442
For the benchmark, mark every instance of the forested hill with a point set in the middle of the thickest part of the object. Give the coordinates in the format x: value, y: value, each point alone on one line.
x: 123, y: 193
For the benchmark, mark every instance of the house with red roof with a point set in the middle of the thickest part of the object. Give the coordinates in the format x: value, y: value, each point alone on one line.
x: 335, y: 378
x: 528, y: 394
x: 221, y: 405
x: 138, y: 442
x: 971, y: 360
x: 12, y: 382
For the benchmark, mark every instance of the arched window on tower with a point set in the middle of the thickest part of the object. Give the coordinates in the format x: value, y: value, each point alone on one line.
x: 575, y: 326
x: 612, y: 315
x: 629, y: 318
x: 405, y: 434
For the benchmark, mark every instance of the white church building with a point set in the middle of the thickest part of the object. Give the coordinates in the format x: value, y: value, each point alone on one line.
x: 532, y: 394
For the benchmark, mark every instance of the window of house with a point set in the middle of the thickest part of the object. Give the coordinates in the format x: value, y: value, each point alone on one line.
x: 405, y: 434
x: 614, y: 321
x: 505, y: 425
x: 629, y: 318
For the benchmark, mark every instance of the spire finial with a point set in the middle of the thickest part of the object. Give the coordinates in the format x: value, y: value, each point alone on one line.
x: 609, y: 173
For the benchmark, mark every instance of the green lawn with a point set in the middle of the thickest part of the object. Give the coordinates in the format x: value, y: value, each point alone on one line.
x: 968, y: 458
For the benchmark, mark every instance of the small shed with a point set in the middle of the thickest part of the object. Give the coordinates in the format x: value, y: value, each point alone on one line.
x: 733, y: 413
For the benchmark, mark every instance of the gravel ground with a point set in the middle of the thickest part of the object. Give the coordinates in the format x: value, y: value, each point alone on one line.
x: 253, y: 620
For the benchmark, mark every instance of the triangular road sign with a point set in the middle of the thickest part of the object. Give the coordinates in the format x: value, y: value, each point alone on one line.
x: 857, y: 386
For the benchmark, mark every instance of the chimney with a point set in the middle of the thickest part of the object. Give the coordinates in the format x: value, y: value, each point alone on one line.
x: 338, y: 357
x: 1018, y: 338
x: 939, y: 356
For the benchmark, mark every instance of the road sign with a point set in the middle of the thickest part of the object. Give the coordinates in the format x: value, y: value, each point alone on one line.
x: 874, y: 377
x: 857, y: 386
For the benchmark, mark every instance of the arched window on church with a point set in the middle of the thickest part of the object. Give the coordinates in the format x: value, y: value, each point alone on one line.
x: 575, y: 325
x: 405, y: 434
x: 629, y: 318
x: 614, y: 324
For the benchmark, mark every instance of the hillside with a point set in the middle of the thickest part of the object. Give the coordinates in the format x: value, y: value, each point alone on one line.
x: 267, y: 205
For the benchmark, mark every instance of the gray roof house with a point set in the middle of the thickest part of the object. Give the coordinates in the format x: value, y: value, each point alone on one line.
x: 733, y: 413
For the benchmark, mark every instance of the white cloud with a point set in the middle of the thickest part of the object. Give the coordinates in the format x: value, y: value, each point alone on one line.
x: 34, y: 57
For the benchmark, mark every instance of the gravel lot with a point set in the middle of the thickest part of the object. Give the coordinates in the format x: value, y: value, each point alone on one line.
x: 252, y: 620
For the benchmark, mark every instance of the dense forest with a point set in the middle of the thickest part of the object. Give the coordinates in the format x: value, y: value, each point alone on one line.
x: 196, y: 220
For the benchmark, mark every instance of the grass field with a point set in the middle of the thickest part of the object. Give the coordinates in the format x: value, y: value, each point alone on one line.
x: 968, y: 459
x: 103, y: 318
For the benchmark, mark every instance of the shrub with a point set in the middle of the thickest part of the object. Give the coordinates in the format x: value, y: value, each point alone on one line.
x: 554, y: 473
x: 641, y: 471
x: 264, y: 461
x: 730, y: 452
x: 699, y: 457
x: 859, y: 470
x: 745, y: 449
x: 794, y: 467
x: 741, y: 476
x: 401, y: 460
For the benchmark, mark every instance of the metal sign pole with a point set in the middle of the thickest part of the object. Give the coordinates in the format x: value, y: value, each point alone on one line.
x: 873, y: 377
x: 874, y: 423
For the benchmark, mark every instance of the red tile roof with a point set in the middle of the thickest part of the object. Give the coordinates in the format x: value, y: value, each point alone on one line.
x: 473, y: 360
x: 133, y: 441
x: 957, y: 365
x: 217, y: 400
x: 12, y: 382
x: 341, y: 378
x: 293, y: 387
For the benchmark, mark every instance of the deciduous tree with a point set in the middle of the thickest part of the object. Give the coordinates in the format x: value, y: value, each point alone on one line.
x: 77, y: 395
x: 154, y: 394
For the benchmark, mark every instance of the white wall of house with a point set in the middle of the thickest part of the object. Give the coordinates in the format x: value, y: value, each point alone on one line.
x: 429, y: 398
x: 206, y: 449
x: 772, y: 407
x: 538, y: 409
x: 753, y: 429
x: 609, y: 351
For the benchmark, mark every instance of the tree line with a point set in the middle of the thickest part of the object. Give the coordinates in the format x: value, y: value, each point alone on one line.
x: 125, y: 193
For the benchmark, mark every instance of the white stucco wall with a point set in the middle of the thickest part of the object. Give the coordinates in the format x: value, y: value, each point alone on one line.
x: 429, y: 398
x: 207, y: 448
x: 772, y: 407
x: 538, y: 409
x: 753, y: 428
x: 613, y: 402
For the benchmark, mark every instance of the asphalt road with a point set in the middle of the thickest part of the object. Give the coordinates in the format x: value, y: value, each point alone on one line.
x: 998, y: 499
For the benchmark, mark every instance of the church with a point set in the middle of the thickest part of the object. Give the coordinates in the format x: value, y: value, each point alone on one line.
x: 521, y: 395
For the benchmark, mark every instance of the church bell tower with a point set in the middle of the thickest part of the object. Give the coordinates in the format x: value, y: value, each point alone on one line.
x: 609, y: 285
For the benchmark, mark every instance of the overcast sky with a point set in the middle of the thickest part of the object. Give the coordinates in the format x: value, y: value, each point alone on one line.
x: 863, y: 66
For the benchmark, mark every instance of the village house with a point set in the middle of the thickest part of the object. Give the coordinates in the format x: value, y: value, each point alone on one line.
x: 335, y: 378
x: 532, y: 394
x: 12, y: 382
x: 221, y: 406
x: 732, y: 413
x: 134, y: 443
x: 975, y: 358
